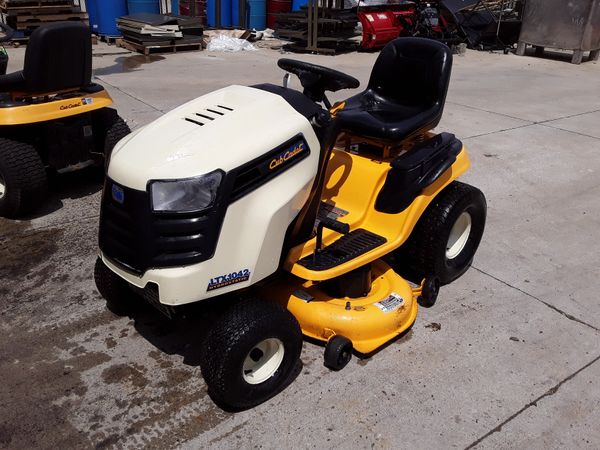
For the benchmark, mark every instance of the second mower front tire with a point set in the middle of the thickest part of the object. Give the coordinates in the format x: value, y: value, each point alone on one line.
x: 23, y: 181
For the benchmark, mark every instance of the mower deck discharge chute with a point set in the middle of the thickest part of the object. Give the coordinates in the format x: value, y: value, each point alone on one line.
x: 52, y: 117
x: 302, y: 220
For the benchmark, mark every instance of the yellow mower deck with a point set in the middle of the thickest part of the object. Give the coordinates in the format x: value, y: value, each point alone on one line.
x: 54, y: 109
x: 369, y: 322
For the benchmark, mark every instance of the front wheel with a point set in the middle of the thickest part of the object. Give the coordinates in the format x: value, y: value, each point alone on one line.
x: 445, y: 239
x: 119, y: 298
x: 250, y: 354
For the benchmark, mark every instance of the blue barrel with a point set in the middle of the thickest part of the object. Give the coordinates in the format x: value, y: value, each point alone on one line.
x: 143, y: 6
x: 211, y: 13
x: 257, y: 14
x: 108, y: 11
x: 297, y: 4
x: 235, y: 13
x: 91, y: 6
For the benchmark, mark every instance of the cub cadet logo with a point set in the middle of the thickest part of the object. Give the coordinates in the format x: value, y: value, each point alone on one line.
x: 70, y: 106
x: 84, y: 101
x: 286, y: 156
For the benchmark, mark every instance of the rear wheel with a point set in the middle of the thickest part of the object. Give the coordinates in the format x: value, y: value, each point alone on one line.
x: 250, y: 354
x: 447, y: 235
x: 23, y: 182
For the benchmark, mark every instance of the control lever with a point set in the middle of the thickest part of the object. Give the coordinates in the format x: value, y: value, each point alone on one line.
x: 330, y: 224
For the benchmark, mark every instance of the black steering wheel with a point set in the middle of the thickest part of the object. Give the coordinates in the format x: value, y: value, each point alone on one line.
x: 317, y: 79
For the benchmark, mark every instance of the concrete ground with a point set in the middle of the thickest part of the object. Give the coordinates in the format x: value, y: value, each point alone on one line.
x: 514, y: 363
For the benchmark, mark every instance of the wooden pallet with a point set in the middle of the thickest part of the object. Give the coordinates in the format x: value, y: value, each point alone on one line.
x: 22, y: 23
x: 147, y: 49
x: 34, y: 3
x: 29, y: 10
x: 576, y: 56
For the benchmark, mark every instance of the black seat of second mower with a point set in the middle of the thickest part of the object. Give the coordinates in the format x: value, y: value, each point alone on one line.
x: 58, y: 57
x: 406, y: 91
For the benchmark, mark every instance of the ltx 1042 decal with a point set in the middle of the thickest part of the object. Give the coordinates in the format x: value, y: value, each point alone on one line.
x: 228, y: 279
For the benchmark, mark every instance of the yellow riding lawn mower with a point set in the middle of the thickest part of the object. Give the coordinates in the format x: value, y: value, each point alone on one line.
x: 52, y: 117
x: 283, y: 215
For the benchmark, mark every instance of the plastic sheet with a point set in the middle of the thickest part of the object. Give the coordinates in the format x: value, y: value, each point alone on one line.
x: 222, y: 43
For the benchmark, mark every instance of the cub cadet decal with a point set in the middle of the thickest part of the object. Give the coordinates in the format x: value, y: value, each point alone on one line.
x: 286, y: 155
x: 227, y: 280
x: 70, y: 106
x: 84, y: 101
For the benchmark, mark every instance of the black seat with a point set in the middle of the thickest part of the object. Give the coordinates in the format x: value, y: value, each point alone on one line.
x: 58, y: 57
x: 406, y: 91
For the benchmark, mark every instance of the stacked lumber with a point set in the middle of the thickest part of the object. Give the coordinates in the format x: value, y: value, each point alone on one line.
x: 146, y: 32
x: 26, y: 15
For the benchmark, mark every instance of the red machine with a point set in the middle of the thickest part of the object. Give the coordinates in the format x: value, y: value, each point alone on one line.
x: 381, y: 26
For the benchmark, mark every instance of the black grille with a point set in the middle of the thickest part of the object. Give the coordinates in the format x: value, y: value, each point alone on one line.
x: 257, y: 172
x: 138, y: 239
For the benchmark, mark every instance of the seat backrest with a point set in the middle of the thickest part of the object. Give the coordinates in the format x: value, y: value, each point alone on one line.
x: 412, y: 72
x: 58, y: 57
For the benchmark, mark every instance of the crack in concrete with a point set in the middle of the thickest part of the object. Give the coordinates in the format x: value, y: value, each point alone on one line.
x: 128, y: 94
x: 569, y: 116
x: 499, y: 131
x: 494, y: 112
x: 530, y: 122
x: 554, y: 308
x: 550, y: 392
x: 568, y: 131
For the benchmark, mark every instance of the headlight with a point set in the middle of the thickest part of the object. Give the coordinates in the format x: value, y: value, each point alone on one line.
x: 187, y: 195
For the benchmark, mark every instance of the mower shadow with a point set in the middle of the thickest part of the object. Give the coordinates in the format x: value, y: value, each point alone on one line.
x: 184, y: 336
x: 179, y: 336
x: 72, y: 185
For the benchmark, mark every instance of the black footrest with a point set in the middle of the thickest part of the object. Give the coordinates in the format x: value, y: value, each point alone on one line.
x: 347, y: 247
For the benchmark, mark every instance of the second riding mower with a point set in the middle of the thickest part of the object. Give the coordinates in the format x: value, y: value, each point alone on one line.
x: 52, y: 117
x: 283, y: 218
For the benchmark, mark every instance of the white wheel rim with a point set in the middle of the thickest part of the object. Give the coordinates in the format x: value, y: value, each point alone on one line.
x: 459, y: 235
x: 2, y: 187
x: 263, y: 360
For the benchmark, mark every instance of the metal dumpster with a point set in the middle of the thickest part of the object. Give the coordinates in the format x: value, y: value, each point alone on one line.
x: 568, y: 25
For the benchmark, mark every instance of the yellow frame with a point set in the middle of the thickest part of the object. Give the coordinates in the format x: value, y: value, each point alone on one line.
x: 54, y: 109
x: 353, y: 182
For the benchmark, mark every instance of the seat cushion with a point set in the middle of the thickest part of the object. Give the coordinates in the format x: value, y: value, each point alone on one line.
x: 367, y: 114
x: 406, y: 91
